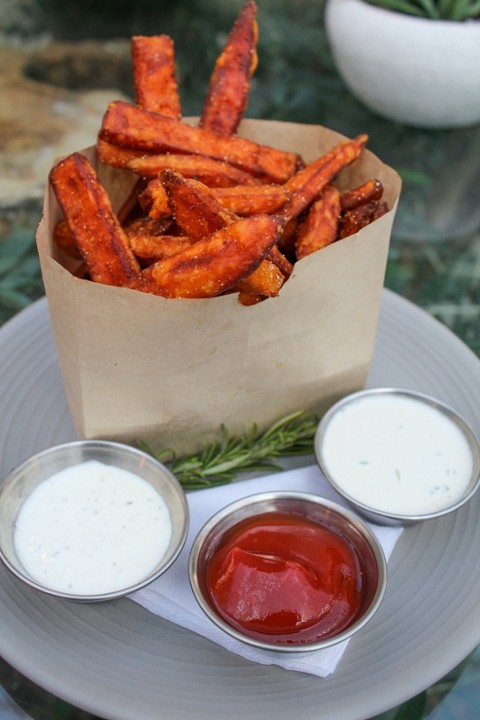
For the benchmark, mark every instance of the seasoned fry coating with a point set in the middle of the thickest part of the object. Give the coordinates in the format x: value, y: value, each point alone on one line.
x: 145, y: 225
x: 227, y: 93
x: 149, y: 241
x: 65, y: 239
x: 369, y: 190
x: 117, y: 156
x: 91, y: 220
x: 381, y: 210
x: 309, y: 182
x: 157, y: 247
x: 214, y: 173
x: 249, y: 298
x: 286, y: 243
x: 214, y: 264
x: 279, y: 259
x: 358, y: 217
x: 320, y: 227
x: 129, y: 126
x: 154, y: 81
x: 63, y: 236
x: 252, y: 199
x: 194, y: 207
x: 265, y: 281
x: 154, y: 200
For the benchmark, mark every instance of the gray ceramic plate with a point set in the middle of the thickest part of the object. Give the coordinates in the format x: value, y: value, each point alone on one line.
x: 120, y: 662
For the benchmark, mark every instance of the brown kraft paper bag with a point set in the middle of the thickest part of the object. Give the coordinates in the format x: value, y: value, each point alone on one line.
x: 171, y: 371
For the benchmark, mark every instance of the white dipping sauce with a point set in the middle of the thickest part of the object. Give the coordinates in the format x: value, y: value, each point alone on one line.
x: 92, y: 529
x: 397, y: 454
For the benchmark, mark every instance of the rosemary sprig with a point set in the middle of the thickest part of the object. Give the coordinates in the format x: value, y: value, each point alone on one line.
x: 221, y: 460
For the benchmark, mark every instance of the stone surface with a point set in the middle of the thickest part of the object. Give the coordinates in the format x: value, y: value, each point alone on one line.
x: 40, y: 121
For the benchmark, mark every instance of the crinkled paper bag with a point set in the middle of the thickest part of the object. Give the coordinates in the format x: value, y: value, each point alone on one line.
x: 171, y: 371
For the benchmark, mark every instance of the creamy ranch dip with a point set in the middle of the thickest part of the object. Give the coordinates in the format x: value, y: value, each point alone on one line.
x: 91, y: 529
x: 397, y: 454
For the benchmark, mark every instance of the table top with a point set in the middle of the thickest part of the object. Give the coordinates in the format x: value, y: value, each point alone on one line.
x: 434, y: 257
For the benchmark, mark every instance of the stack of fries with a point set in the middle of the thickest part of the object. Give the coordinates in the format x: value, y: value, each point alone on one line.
x: 211, y: 212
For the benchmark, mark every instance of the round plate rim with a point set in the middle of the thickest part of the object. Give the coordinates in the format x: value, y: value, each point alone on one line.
x: 339, y: 701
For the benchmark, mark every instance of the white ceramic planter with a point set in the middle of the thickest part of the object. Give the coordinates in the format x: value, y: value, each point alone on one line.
x: 421, y: 72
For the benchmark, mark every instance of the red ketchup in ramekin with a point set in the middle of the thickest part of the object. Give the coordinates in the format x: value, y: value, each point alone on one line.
x: 286, y: 578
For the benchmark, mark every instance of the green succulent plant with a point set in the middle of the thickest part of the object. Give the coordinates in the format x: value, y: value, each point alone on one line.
x: 456, y: 10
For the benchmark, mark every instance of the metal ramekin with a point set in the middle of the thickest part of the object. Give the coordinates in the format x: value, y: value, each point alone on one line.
x: 18, y: 485
x: 324, y: 512
x: 376, y: 514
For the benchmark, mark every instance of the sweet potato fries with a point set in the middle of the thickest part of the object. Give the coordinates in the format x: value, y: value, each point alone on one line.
x: 212, y: 212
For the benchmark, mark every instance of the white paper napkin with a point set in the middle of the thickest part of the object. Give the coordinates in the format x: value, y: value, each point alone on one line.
x: 171, y: 596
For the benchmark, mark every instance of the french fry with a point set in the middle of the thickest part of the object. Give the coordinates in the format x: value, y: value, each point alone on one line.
x: 369, y: 190
x: 194, y: 207
x: 265, y: 281
x: 252, y: 199
x: 149, y: 241
x: 229, y: 85
x: 91, y: 220
x: 320, y: 226
x: 145, y: 225
x: 129, y: 126
x: 154, y: 80
x: 381, y: 210
x: 63, y: 236
x: 243, y: 200
x: 65, y: 239
x: 158, y: 247
x: 359, y: 217
x: 279, y: 259
x: 214, y: 173
x: 214, y: 264
x: 286, y: 243
x: 154, y: 200
x: 309, y: 182
x: 117, y: 156
x: 249, y: 298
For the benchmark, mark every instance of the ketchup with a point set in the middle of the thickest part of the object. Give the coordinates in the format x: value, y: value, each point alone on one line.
x: 286, y: 579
